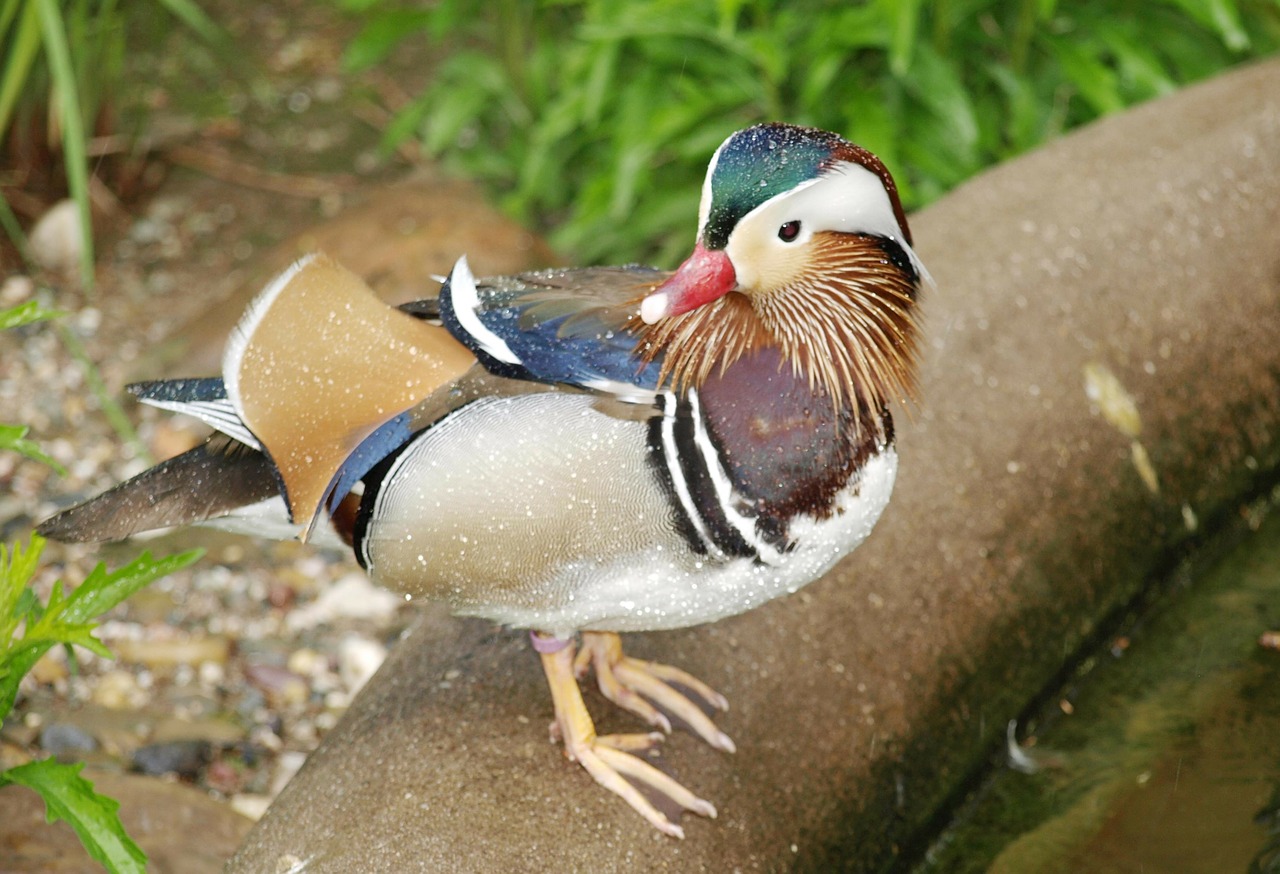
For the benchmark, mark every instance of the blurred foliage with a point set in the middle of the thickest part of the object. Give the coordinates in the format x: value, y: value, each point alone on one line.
x: 60, y: 67
x: 593, y: 119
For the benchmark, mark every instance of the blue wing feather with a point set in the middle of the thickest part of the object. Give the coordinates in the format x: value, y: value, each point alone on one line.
x: 558, y: 326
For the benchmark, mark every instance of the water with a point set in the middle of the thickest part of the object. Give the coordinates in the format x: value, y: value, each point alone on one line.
x: 1163, y: 754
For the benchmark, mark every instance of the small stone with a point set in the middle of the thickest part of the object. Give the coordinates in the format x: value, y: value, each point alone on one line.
x: 118, y: 690
x: 287, y: 764
x: 184, y: 758
x: 64, y: 739
x: 56, y: 240
x: 351, y: 597
x: 224, y: 777
x: 280, y: 684
x: 51, y: 667
x: 251, y: 806
x: 307, y: 662
x: 16, y: 289
x: 358, y: 660
x: 167, y: 653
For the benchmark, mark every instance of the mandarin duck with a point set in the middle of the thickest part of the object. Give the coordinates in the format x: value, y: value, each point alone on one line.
x: 580, y: 452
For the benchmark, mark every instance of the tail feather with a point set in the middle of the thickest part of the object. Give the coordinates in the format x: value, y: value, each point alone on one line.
x: 212, y: 480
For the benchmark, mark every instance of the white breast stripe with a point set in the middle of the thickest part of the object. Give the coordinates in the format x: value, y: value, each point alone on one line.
x: 466, y: 300
x: 744, y: 525
x: 671, y: 455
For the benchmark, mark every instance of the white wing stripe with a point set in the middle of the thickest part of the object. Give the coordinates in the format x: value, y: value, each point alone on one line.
x: 466, y: 300
x: 219, y: 415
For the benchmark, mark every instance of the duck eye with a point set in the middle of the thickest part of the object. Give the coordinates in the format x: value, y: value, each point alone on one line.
x: 789, y: 231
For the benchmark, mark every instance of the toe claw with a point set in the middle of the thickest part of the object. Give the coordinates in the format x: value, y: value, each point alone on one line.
x: 611, y: 759
x: 637, y: 686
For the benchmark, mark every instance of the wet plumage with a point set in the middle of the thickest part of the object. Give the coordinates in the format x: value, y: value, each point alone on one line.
x: 581, y: 451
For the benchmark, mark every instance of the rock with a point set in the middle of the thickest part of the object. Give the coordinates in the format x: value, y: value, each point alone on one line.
x: 351, y: 597
x: 119, y: 690
x: 213, y: 730
x: 56, y: 241
x: 358, y: 659
x: 62, y: 739
x: 280, y: 684
x: 16, y: 289
x: 182, y: 757
x: 1148, y: 243
x: 167, y: 653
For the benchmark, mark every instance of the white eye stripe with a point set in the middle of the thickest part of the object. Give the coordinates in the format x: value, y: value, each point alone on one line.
x: 849, y: 199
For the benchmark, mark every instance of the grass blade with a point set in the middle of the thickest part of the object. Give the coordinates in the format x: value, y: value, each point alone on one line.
x: 67, y: 100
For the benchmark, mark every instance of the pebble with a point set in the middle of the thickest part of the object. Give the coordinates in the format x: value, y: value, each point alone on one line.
x: 64, y: 739
x: 351, y: 597
x: 16, y: 289
x: 358, y: 659
x: 176, y: 651
x: 280, y: 684
x: 288, y: 764
x: 119, y: 690
x: 56, y: 240
x: 51, y: 668
x: 251, y: 806
x: 183, y: 757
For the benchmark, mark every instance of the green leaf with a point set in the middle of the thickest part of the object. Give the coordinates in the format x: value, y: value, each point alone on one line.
x: 905, y: 17
x: 22, y: 49
x: 1220, y: 15
x: 103, y: 589
x: 65, y: 619
x: 13, y: 439
x: 17, y: 567
x: 380, y: 35
x: 190, y: 14
x: 1095, y: 81
x: 72, y: 799
x: 26, y: 314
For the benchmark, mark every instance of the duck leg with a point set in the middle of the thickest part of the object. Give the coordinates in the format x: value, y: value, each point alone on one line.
x: 637, y: 685
x: 609, y: 758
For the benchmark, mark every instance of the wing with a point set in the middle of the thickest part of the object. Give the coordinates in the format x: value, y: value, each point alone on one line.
x: 574, y: 327
x: 211, y: 480
x: 202, y: 398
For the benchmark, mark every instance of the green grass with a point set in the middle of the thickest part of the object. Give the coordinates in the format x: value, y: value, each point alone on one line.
x: 61, y: 65
x: 592, y: 120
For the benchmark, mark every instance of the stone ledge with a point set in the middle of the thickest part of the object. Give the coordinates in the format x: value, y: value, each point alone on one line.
x: 1149, y: 244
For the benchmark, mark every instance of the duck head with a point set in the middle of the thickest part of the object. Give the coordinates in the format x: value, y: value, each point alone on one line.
x: 802, y: 245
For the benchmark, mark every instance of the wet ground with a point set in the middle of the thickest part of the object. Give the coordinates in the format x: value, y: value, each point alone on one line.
x: 1160, y: 754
